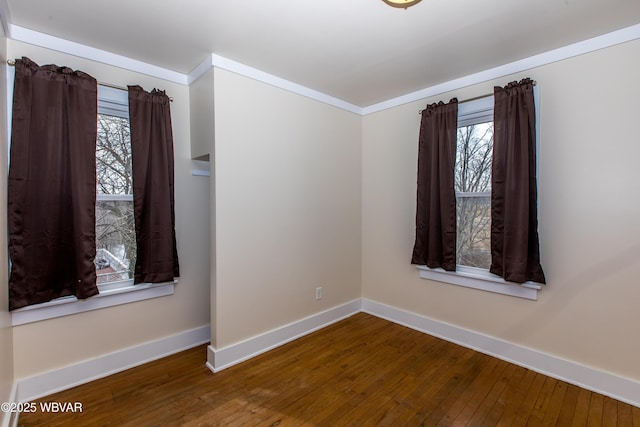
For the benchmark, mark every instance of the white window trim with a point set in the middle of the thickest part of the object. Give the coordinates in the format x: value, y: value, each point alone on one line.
x: 66, y: 306
x: 112, y: 101
x: 478, y: 278
x: 474, y: 194
x: 114, y: 197
x: 472, y: 112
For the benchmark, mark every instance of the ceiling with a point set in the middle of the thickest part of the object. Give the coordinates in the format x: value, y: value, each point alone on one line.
x: 359, y: 51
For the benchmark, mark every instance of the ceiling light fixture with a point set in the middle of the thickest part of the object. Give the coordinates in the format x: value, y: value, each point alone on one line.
x: 401, y: 3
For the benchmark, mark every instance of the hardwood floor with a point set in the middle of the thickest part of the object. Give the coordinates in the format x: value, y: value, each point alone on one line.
x: 362, y: 371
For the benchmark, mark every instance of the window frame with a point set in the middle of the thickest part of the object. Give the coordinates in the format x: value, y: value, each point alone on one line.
x: 472, y: 112
x: 111, y: 101
x: 484, y: 114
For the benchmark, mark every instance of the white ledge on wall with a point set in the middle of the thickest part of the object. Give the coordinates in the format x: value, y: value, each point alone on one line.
x: 200, y: 168
x: 477, y: 278
x: 106, y: 298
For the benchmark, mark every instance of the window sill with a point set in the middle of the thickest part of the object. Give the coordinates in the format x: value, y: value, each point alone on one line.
x: 477, y: 278
x: 106, y: 298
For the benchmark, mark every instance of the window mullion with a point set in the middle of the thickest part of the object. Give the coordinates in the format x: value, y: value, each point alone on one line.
x: 474, y: 194
x: 114, y: 197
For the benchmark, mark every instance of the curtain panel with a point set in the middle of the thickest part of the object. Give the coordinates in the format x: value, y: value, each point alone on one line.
x: 52, y: 184
x: 515, y: 253
x: 435, y: 244
x: 153, y: 186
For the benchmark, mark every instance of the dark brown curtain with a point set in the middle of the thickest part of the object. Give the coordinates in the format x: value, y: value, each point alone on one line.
x: 435, y: 244
x: 515, y: 251
x: 52, y: 184
x: 153, y: 188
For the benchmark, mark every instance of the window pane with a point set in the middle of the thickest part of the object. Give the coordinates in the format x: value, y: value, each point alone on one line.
x: 113, y: 155
x: 473, y: 158
x: 473, y: 175
x: 115, y: 241
x: 115, y: 232
x: 474, y: 232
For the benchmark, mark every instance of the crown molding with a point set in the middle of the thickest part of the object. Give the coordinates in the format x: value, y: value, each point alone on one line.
x: 65, y: 46
x: 223, y: 63
x: 216, y: 61
x: 590, y: 45
x: 200, y: 70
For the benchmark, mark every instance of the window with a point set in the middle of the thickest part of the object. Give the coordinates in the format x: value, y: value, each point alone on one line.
x: 115, y: 230
x: 473, y: 196
x: 473, y: 187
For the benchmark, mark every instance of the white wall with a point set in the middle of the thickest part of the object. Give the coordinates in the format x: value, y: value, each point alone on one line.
x: 287, y: 201
x: 589, y: 214
x: 201, y: 115
x: 55, y: 343
x: 201, y: 98
x: 6, y: 336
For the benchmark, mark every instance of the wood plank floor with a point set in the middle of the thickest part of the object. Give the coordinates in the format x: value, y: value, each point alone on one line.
x: 362, y: 371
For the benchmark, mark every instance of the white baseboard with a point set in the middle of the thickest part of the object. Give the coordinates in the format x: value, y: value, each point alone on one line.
x: 218, y: 359
x: 10, y: 419
x: 605, y: 383
x: 80, y: 373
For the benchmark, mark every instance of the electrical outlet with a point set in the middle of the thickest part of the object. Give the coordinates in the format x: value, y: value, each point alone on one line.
x: 319, y: 292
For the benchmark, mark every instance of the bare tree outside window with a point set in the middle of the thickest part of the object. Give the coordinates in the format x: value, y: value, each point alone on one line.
x: 115, y: 232
x: 473, y: 194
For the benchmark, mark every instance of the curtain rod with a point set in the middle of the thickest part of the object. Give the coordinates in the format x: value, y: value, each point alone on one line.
x: 12, y: 63
x: 474, y: 98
